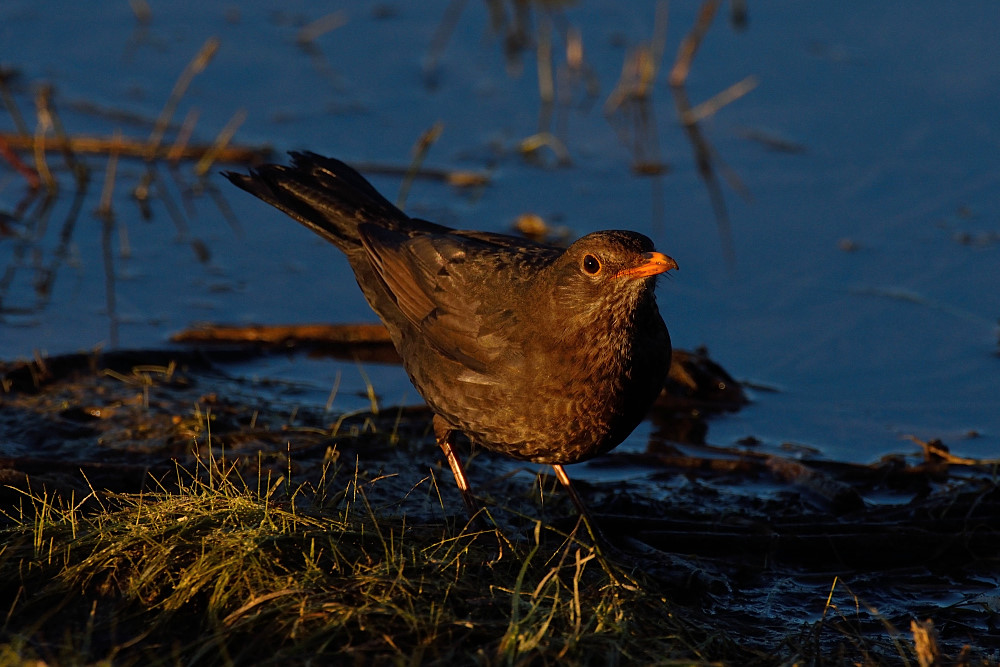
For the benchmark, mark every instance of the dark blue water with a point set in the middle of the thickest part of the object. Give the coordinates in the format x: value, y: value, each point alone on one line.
x: 866, y: 282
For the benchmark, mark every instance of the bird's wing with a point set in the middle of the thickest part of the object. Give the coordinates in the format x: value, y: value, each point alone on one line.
x: 450, y: 288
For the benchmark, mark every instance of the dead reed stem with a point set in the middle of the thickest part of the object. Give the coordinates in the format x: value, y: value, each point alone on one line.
x: 133, y: 148
x: 689, y: 45
x: 195, y: 67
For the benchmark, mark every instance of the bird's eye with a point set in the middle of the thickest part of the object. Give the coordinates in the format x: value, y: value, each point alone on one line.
x: 591, y: 265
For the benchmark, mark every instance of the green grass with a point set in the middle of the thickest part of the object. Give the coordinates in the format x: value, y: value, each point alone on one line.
x: 214, y: 570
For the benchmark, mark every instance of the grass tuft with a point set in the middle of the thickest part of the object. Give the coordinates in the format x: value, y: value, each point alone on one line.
x: 215, y: 570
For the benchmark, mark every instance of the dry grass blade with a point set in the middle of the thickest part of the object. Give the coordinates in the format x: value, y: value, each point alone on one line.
x: 531, y: 146
x: 925, y: 641
x: 935, y: 450
x: 690, y: 43
x: 104, y: 208
x: 183, y: 136
x: 221, y: 141
x: 324, y: 24
x: 420, y: 150
x: 46, y: 101
x: 712, y: 105
x: 442, y: 34
x: 641, y: 66
x: 459, y: 178
x: 545, y: 67
x: 42, y: 129
x: 195, y: 67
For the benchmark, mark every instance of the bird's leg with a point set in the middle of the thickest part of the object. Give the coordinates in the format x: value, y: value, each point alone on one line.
x: 444, y: 433
x: 602, y: 547
x: 595, y: 532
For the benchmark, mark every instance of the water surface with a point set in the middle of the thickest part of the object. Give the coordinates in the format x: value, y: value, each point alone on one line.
x: 859, y: 179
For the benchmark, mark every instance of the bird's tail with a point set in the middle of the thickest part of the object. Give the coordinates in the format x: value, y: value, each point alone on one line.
x: 323, y: 194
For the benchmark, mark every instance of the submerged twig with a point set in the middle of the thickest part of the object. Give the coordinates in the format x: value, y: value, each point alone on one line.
x: 6, y: 74
x: 29, y: 174
x: 104, y: 209
x: 80, y: 170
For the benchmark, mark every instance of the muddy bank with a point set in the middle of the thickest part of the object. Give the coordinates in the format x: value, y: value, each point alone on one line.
x: 782, y: 552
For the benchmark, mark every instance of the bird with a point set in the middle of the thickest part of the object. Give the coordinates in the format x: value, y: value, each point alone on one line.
x: 542, y: 353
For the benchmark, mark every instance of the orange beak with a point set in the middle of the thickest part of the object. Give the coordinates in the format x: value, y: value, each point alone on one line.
x: 655, y: 262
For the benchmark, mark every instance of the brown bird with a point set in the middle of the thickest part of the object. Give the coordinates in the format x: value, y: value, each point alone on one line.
x: 545, y: 354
